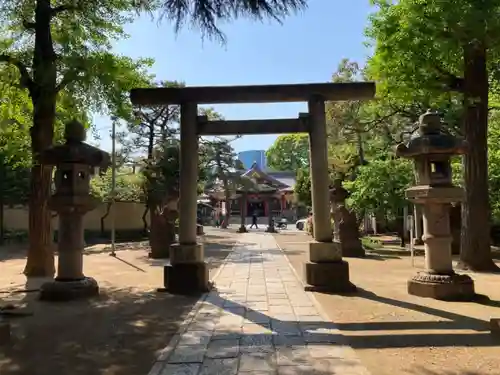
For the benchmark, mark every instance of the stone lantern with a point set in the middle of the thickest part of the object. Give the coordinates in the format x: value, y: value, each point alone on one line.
x: 75, y: 161
x: 431, y: 151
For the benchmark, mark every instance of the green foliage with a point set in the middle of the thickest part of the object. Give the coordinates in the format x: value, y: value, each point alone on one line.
x: 82, y: 35
x: 289, y: 152
x: 379, y: 187
x: 150, y: 127
x: 128, y: 187
x: 162, y: 174
x: 302, y: 189
x: 494, y: 164
x: 14, y: 181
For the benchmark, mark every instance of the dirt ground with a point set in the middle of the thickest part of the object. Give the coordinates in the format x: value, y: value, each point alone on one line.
x: 117, y: 333
x: 397, y: 334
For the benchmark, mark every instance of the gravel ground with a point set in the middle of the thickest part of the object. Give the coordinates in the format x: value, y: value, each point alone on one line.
x: 117, y: 333
x: 395, y: 333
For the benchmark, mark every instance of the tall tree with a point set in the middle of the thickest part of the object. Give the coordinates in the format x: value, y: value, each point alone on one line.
x: 221, y: 164
x: 150, y: 130
x: 151, y: 126
x: 438, y: 47
x: 60, y: 48
x: 302, y: 188
x: 289, y: 152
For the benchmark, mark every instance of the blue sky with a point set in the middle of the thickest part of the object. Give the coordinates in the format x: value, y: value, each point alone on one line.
x: 305, y: 48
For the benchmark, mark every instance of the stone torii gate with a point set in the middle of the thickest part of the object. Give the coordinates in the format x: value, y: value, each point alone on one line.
x: 188, y: 272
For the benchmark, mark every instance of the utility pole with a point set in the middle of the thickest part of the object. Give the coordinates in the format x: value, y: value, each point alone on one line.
x: 113, y: 185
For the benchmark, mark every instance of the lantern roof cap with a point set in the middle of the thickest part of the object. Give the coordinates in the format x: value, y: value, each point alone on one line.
x: 75, y: 150
x: 431, y: 139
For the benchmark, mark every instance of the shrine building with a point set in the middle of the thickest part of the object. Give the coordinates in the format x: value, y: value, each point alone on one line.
x: 270, y: 193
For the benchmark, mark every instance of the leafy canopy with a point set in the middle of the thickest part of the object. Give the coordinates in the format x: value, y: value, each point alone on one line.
x: 289, y: 152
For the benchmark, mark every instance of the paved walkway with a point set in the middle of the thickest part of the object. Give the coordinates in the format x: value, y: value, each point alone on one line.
x: 259, y: 321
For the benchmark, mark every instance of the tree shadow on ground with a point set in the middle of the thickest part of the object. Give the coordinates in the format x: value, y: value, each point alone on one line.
x: 288, y: 334
x: 454, y: 321
x: 116, y: 333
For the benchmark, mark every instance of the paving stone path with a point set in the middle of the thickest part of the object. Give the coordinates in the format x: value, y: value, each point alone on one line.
x: 258, y: 321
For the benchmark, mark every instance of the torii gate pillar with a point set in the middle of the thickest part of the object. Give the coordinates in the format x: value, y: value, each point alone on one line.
x: 326, y: 271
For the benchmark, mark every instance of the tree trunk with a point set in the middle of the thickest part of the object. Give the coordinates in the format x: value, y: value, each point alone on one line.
x: 103, y: 218
x: 43, y: 95
x: 40, y: 261
x: 475, y: 251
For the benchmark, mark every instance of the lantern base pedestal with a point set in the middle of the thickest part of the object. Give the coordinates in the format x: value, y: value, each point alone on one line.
x: 186, y: 278
x: 67, y: 290
x: 452, y: 287
x: 242, y: 229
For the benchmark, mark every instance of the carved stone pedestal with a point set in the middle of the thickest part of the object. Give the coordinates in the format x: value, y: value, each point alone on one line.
x: 327, y: 272
x: 187, y: 273
x: 242, y: 229
x: 66, y: 290
x: 452, y: 287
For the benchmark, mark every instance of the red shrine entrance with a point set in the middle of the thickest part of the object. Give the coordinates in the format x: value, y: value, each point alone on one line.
x: 270, y: 196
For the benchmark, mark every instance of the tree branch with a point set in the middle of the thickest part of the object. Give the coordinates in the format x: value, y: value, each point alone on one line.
x: 63, y: 8
x: 29, y: 25
x: 70, y: 76
x: 452, y: 81
x: 25, y: 81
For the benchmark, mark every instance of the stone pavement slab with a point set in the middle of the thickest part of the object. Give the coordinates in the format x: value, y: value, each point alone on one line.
x: 258, y: 321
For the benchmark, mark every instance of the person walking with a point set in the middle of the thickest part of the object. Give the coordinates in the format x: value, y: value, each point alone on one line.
x: 254, y: 220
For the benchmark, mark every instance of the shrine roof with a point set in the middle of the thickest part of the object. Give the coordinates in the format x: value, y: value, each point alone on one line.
x: 278, y: 179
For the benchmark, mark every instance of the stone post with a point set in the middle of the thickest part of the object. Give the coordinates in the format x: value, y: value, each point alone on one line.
x: 270, y: 219
x: 187, y: 272
x: 437, y: 240
x: 326, y: 270
x: 432, y: 150
x: 188, y: 174
x: 418, y: 225
x: 243, y: 213
x: 319, y: 171
x: 70, y: 244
